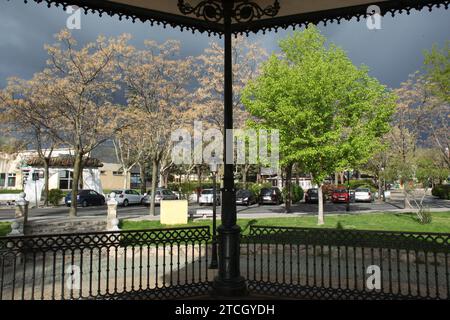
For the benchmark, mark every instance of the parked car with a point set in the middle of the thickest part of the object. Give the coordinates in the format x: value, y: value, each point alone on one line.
x: 206, y: 197
x: 245, y: 197
x: 312, y: 196
x: 86, y: 198
x: 127, y: 196
x: 342, y: 195
x: 161, y: 194
x: 270, y: 195
x: 363, y: 194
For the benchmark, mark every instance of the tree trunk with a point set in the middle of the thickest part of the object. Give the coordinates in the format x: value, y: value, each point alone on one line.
x: 142, y: 177
x: 342, y: 177
x: 380, y: 186
x: 199, y: 180
x: 153, y: 187
x: 406, y: 203
x: 165, y: 179
x: 289, y: 187
x: 125, y: 178
x: 244, y: 175
x: 46, y: 178
x: 77, y: 168
x: 320, y: 220
x: 80, y: 179
x: 336, y: 178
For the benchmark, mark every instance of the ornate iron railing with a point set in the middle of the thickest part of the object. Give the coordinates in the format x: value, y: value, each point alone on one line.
x: 276, y: 261
x: 345, y: 264
x: 146, y: 264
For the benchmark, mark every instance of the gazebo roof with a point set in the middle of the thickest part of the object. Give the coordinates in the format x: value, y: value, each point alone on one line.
x: 248, y: 15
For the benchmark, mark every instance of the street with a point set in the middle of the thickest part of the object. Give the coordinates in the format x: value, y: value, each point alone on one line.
x: 135, y: 211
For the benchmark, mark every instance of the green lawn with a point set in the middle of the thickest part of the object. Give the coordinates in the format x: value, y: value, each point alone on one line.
x: 5, y: 228
x: 373, y: 221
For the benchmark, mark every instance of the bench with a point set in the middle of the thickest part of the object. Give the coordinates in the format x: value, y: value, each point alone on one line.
x: 203, y: 213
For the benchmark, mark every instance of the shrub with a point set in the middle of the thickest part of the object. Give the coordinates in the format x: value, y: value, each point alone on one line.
x: 6, y: 191
x: 255, y: 188
x: 442, y: 191
x: 54, y: 196
x: 297, y: 193
x: 424, y: 216
x: 327, y: 189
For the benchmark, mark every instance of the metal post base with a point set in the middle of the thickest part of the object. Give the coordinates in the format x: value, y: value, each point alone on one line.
x: 214, y: 263
x: 229, y: 282
x: 233, y: 288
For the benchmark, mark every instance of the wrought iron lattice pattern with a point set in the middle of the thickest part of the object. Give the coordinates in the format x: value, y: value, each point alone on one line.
x: 147, y: 264
x: 332, y: 264
x: 243, y: 10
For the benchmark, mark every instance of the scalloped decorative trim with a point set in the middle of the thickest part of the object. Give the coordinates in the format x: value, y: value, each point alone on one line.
x: 271, y: 24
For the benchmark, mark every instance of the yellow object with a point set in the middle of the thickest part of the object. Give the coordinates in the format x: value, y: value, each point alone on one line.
x: 174, y: 212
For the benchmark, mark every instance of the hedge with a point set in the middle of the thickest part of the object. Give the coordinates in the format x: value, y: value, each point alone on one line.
x: 55, y: 196
x: 297, y: 193
x: 5, y: 191
x: 442, y: 191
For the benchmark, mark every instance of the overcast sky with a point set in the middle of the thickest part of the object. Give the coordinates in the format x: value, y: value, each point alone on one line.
x: 391, y: 53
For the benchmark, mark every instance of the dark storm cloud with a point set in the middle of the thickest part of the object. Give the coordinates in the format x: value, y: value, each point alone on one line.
x: 391, y: 53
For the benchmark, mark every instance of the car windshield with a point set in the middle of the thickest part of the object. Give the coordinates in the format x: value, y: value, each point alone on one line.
x: 340, y: 191
x: 266, y: 191
x: 312, y: 191
x: 362, y: 190
x: 242, y: 193
x: 207, y: 191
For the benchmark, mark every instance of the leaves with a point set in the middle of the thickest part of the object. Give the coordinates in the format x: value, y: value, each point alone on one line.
x: 330, y: 113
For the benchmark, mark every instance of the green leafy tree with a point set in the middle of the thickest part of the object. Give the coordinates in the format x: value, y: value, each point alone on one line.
x: 437, y: 67
x: 329, y: 113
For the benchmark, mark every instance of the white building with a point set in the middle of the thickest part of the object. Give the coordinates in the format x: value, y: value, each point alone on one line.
x: 16, y: 173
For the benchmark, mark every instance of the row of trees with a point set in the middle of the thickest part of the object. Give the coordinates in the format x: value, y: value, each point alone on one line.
x: 417, y: 147
x: 109, y: 90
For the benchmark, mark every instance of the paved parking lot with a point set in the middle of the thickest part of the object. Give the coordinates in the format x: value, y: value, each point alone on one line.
x: 243, y: 211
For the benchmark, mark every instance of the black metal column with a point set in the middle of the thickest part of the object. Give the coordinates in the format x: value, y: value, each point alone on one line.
x: 228, y: 282
x: 214, y: 259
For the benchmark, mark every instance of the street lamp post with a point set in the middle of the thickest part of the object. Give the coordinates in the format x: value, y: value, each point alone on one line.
x: 214, y: 264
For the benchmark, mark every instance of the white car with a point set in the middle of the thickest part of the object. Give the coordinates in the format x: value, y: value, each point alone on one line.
x: 363, y: 195
x: 127, y: 196
x: 206, y: 197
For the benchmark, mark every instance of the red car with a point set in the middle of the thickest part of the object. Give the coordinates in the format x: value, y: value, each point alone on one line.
x: 340, y: 195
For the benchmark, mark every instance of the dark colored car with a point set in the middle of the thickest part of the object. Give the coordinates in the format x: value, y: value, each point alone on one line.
x: 270, y: 195
x: 312, y: 196
x: 245, y: 197
x: 342, y: 196
x: 86, y: 198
